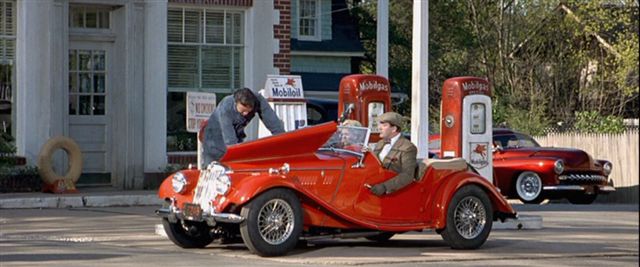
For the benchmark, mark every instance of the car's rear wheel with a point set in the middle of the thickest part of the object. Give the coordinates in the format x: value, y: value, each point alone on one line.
x: 273, y: 223
x: 469, y: 218
x: 188, y: 234
x: 582, y: 199
x: 381, y: 237
x: 529, y: 188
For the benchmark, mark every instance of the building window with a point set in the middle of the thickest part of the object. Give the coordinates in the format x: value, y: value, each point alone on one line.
x: 87, y: 82
x: 205, y: 53
x: 89, y: 17
x: 309, y: 21
x: 7, y: 67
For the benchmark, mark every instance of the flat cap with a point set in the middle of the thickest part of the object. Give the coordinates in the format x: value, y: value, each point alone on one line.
x: 392, y: 118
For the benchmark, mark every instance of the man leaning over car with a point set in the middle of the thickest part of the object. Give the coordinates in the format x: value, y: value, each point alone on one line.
x: 396, y: 153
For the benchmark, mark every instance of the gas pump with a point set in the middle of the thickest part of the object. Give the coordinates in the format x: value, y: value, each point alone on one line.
x: 466, y: 128
x: 365, y: 97
x: 286, y: 96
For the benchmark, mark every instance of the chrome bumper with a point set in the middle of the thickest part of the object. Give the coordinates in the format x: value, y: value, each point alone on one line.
x: 600, y: 188
x: 174, y: 214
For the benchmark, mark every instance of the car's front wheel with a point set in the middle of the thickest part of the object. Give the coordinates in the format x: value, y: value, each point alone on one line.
x: 581, y: 198
x: 273, y: 223
x: 529, y: 188
x: 188, y: 234
x: 469, y: 218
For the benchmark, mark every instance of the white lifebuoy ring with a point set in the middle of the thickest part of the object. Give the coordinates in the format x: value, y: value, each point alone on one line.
x: 45, y: 166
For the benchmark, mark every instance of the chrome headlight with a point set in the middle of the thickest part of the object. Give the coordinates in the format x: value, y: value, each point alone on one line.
x: 179, y: 182
x: 607, y: 167
x: 222, y: 184
x: 558, y: 166
x: 220, y: 177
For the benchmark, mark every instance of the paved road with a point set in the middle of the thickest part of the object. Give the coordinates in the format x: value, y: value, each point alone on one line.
x: 595, y: 235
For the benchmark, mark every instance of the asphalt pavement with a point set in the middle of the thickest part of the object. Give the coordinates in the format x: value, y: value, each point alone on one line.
x: 572, y: 235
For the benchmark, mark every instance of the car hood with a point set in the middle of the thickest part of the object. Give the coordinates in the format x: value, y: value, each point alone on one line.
x: 574, y: 158
x: 302, y: 141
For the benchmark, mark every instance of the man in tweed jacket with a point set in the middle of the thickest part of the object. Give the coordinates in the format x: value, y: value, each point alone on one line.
x: 396, y: 153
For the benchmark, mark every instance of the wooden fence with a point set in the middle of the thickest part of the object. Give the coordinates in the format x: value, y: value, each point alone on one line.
x: 620, y: 149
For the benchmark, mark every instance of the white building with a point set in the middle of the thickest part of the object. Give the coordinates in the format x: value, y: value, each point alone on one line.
x: 111, y: 74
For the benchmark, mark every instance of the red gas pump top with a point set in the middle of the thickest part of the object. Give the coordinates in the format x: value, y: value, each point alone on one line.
x: 368, y: 93
x: 454, y: 91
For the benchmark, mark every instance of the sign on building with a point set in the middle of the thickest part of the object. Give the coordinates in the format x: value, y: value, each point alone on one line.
x: 199, y: 108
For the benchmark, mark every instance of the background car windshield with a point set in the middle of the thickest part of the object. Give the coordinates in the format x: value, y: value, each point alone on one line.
x: 515, y: 140
x: 348, y: 137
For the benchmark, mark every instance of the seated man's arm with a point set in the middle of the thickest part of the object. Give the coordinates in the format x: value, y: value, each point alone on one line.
x: 269, y: 117
x: 406, y: 175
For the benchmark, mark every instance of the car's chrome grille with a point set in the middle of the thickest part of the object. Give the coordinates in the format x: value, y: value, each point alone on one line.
x: 206, y: 189
x: 575, y: 177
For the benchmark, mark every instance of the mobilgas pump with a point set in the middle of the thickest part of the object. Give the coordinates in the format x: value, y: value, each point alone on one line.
x: 466, y: 128
x: 365, y: 97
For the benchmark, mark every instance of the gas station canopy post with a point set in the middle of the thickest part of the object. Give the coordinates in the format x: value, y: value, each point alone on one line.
x: 382, y: 39
x: 420, y: 78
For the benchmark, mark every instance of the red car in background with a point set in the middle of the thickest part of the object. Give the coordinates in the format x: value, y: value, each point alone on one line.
x: 523, y: 169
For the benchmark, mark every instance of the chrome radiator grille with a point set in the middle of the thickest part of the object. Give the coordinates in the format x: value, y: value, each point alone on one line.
x: 206, y: 189
x: 583, y: 178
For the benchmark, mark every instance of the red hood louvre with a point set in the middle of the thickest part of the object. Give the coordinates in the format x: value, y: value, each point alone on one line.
x: 301, y: 141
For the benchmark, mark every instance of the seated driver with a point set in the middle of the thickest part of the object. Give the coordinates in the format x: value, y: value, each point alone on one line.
x: 395, y: 153
x: 348, y: 139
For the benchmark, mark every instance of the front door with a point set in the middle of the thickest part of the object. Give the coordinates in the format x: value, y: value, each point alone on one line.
x: 89, y: 80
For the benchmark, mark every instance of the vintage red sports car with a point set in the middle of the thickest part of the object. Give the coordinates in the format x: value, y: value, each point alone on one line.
x: 304, y: 185
x: 524, y: 170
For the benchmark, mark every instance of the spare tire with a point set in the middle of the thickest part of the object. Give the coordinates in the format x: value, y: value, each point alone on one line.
x: 45, y: 165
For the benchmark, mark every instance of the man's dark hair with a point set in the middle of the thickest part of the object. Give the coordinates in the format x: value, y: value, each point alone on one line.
x: 245, y: 97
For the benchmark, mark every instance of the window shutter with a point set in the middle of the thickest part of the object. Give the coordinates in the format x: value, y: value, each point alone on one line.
x: 7, y: 31
x: 174, y: 25
x: 192, y: 23
x: 182, y: 66
x: 216, y: 69
x: 215, y: 27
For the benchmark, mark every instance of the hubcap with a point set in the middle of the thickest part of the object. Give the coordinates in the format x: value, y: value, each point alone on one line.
x: 275, y: 221
x: 470, y: 217
x: 529, y: 186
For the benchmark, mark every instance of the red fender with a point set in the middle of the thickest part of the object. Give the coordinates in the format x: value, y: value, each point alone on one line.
x: 450, y: 185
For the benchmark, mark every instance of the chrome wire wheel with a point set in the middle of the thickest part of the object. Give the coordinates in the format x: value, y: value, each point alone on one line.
x: 528, y: 186
x: 470, y: 217
x: 276, y: 221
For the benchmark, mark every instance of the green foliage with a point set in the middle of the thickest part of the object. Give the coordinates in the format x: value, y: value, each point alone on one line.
x: 532, y: 122
x: 6, y: 144
x: 18, y: 171
x: 594, y: 122
x: 7, y: 151
x: 545, y: 59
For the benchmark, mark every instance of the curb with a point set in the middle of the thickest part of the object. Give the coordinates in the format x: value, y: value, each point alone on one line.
x: 79, y: 201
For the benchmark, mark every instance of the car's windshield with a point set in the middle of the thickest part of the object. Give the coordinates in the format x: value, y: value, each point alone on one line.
x: 515, y: 140
x: 348, y: 138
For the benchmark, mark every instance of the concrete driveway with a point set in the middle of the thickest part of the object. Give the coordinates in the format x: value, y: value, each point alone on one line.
x: 572, y: 235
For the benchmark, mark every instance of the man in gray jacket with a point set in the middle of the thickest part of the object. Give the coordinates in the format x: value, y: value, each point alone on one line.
x: 227, y: 122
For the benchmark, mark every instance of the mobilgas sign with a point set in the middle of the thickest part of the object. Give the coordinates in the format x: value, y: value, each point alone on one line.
x: 283, y: 87
x: 373, y: 86
x: 475, y: 87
